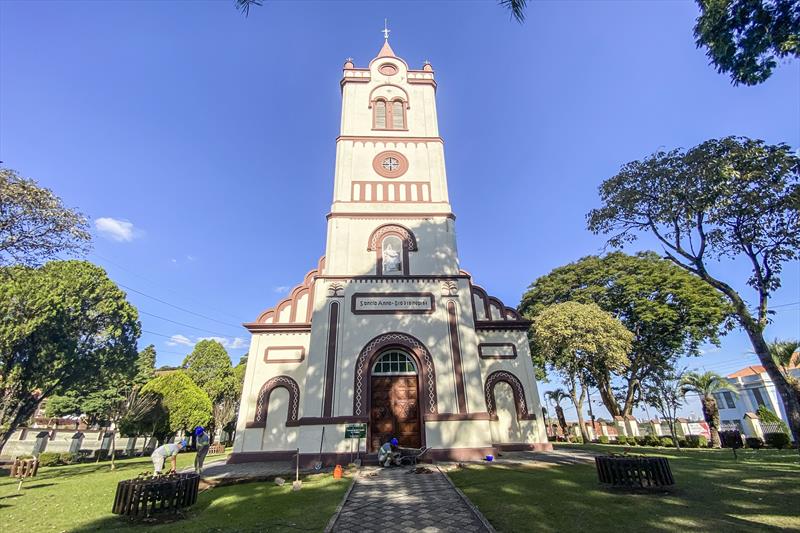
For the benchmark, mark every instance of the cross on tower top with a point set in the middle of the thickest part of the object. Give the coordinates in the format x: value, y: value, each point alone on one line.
x: 385, y: 30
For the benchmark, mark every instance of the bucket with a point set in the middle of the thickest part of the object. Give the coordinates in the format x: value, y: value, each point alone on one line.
x: 337, y: 472
x: 490, y: 458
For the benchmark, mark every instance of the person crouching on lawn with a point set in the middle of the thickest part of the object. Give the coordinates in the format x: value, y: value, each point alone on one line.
x: 170, y: 450
x: 203, y: 440
x: 388, y: 454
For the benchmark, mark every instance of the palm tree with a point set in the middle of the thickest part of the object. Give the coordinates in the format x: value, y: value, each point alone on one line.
x: 705, y: 385
x: 556, y: 396
x: 786, y: 356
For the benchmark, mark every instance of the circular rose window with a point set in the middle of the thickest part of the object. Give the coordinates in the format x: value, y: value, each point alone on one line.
x: 387, y: 69
x: 390, y: 164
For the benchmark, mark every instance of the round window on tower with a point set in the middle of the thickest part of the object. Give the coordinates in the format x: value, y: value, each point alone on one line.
x: 390, y: 164
x: 387, y: 69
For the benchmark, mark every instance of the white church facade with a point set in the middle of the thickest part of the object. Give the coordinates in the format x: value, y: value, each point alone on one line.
x: 387, y: 330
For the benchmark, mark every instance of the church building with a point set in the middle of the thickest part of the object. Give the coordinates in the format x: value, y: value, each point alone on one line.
x: 387, y: 330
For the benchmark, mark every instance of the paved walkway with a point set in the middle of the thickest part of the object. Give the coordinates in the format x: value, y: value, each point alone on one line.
x: 400, y: 500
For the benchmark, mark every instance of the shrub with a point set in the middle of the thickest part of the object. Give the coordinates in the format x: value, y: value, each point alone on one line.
x: 48, y: 459
x: 754, y: 442
x: 602, y: 439
x: 652, y: 440
x: 683, y: 443
x: 68, y: 458
x: 731, y: 438
x: 641, y: 441
x: 622, y: 439
x: 695, y: 441
x: 666, y: 442
x: 778, y: 440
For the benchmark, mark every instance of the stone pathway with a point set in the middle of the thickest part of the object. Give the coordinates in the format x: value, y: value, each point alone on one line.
x: 399, y: 500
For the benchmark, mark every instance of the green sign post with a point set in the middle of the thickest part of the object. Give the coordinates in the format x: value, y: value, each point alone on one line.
x: 355, y: 431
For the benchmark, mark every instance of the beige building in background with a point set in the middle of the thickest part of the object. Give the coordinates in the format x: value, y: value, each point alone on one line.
x: 387, y: 330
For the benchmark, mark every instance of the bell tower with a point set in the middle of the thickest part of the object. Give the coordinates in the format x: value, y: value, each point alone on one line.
x: 390, y: 167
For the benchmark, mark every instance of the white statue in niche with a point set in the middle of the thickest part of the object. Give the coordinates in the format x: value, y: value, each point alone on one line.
x: 391, y: 258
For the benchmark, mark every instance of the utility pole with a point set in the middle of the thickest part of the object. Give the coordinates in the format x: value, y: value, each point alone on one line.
x: 591, y: 414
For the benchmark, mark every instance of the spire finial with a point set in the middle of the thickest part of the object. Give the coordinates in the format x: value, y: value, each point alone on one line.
x: 386, y: 30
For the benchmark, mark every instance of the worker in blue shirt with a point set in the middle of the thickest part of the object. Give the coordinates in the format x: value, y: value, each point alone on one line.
x: 203, y: 441
x: 170, y: 450
x: 389, y: 454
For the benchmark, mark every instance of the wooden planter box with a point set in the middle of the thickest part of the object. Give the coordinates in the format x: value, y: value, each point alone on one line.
x: 144, y: 497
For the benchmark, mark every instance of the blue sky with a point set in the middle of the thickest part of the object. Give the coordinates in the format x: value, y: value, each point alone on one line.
x: 199, y: 129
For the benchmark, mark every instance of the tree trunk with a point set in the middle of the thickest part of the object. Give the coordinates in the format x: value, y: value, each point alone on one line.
x: 630, y: 396
x: 562, y: 420
x: 789, y: 396
x: 113, y: 448
x: 607, y: 396
x: 15, y: 417
x: 711, y: 416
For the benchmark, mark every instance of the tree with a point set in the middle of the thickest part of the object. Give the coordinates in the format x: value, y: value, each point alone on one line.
x: 34, y: 224
x: 209, y: 366
x: 723, y: 199
x: 744, y: 38
x: 581, y: 342
x: 670, y: 312
x: 556, y: 396
x: 182, y: 404
x: 145, y: 366
x: 58, y: 406
x: 706, y: 385
x: 64, y: 325
x: 662, y: 390
x: 786, y: 356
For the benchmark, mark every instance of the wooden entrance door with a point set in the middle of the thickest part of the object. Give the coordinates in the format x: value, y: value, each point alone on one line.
x: 394, y: 411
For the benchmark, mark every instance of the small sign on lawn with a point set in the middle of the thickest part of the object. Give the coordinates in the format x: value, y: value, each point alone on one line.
x: 355, y: 431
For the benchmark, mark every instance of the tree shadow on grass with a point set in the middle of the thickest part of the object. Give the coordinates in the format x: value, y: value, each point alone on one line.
x: 257, y: 506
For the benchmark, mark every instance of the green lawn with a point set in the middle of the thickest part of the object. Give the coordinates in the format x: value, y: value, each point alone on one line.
x: 760, y: 491
x: 79, y: 498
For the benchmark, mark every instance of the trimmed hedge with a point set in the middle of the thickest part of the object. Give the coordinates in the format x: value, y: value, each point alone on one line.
x: 695, y: 441
x: 48, y: 459
x: 622, y: 439
x: 602, y: 439
x: 754, y: 442
x: 667, y: 442
x: 641, y: 441
x: 777, y: 440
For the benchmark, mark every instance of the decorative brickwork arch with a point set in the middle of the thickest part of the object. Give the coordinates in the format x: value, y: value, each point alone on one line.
x: 407, y: 241
x: 517, y: 389
x: 262, y: 403
x: 414, y: 348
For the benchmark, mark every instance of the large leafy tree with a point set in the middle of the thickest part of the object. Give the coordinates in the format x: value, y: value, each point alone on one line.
x: 182, y: 405
x: 705, y: 385
x: 670, y: 312
x: 65, y: 325
x: 583, y: 344
x: 34, y: 224
x: 209, y: 366
x: 731, y: 198
x: 746, y: 38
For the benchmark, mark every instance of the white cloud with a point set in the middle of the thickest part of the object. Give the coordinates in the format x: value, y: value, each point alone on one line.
x: 191, y: 258
x: 116, y: 229
x: 175, y: 340
x: 234, y: 343
x: 281, y: 289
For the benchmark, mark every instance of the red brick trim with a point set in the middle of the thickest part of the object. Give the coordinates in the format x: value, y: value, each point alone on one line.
x: 275, y: 360
x: 497, y: 345
x: 330, y: 364
x: 455, y: 350
x: 262, y: 403
x: 457, y: 417
x: 517, y: 390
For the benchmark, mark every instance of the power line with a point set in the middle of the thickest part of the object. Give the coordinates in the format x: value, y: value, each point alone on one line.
x: 178, y: 307
x: 156, y: 285
x: 184, y: 325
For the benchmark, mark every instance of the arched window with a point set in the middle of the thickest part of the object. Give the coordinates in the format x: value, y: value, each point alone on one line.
x: 392, y: 255
x: 380, y: 114
x: 398, y: 115
x: 388, y: 115
x: 394, y: 363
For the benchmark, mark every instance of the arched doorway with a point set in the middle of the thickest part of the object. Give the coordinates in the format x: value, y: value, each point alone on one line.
x: 394, y: 400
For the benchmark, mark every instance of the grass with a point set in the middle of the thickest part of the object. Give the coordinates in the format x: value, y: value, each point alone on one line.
x: 713, y: 492
x: 79, y: 498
